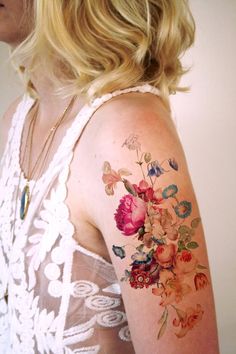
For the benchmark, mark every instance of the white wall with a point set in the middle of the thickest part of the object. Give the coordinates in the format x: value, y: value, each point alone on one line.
x: 207, y: 124
x: 206, y: 120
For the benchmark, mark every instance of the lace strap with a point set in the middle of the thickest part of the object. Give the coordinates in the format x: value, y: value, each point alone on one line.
x: 142, y: 88
x: 83, y: 117
x: 64, y: 154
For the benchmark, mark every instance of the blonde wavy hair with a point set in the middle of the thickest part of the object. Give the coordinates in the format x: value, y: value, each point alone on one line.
x: 94, y: 47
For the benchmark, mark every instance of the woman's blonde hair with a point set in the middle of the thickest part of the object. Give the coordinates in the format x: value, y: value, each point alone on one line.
x: 93, y: 47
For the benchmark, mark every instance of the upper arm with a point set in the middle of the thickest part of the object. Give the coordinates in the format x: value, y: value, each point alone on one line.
x: 144, y: 204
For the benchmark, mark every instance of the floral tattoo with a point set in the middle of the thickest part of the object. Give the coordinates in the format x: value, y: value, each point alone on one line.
x: 156, y: 218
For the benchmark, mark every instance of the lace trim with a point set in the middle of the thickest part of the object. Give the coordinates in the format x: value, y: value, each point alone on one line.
x: 85, y: 350
x: 146, y: 88
x: 76, y: 338
x: 93, y: 255
x: 80, y: 328
x: 113, y: 288
x: 111, y: 318
x: 83, y: 288
x: 100, y: 302
x: 124, y: 334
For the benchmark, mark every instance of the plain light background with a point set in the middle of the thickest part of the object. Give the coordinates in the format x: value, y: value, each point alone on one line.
x: 206, y: 121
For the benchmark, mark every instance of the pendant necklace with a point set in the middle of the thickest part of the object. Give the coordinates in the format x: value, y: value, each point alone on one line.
x: 42, y: 157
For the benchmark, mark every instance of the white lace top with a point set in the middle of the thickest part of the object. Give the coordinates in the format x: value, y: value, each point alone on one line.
x: 62, y: 298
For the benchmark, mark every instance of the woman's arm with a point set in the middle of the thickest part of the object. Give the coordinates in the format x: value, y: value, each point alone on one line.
x: 143, y: 201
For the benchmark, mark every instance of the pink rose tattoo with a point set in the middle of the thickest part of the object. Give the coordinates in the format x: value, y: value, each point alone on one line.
x: 130, y: 214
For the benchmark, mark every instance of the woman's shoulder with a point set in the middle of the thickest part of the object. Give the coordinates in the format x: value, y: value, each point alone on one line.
x: 140, y: 113
x: 128, y: 120
x: 6, y: 121
x: 130, y: 103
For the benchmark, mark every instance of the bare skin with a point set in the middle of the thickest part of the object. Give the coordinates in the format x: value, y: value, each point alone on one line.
x: 13, y: 25
x: 92, y: 211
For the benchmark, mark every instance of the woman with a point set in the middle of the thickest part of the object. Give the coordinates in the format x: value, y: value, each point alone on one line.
x: 102, y: 247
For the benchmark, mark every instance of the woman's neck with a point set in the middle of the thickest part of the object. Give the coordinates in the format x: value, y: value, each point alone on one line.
x: 51, y: 104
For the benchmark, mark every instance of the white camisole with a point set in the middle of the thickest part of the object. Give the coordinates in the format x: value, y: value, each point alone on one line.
x: 62, y: 298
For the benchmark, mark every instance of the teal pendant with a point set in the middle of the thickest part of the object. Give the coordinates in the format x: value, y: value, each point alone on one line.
x: 24, y: 202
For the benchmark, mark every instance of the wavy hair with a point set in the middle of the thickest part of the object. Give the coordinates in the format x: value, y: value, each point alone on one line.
x: 94, y: 47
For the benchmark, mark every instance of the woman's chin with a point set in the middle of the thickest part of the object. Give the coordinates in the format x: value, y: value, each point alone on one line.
x: 10, y: 37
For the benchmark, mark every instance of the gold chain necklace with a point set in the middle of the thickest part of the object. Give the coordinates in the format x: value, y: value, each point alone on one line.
x: 26, y: 195
x: 42, y: 157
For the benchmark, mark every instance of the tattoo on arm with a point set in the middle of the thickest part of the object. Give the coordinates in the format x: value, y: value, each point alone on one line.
x: 160, y: 223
